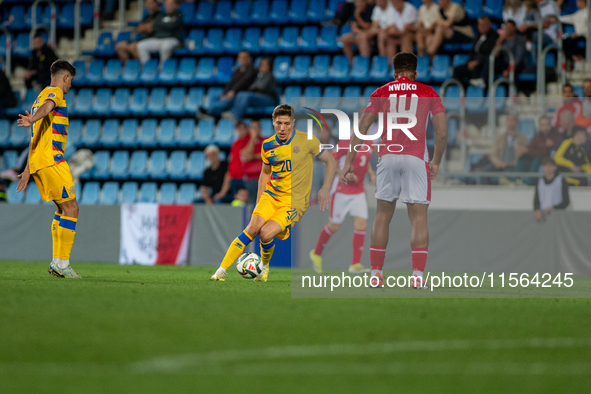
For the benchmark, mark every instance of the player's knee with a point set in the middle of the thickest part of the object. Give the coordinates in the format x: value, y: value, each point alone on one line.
x: 70, y: 209
x: 267, y: 235
x: 333, y: 227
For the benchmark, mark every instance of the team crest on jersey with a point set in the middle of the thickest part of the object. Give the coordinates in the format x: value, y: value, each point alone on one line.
x: 296, y: 149
x: 71, y: 189
x: 51, y: 95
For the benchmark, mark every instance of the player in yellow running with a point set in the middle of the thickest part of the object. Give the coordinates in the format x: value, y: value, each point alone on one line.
x: 49, y: 135
x: 284, y: 189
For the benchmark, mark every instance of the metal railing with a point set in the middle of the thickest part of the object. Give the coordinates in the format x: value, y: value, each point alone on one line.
x: 36, y: 26
x: 140, y: 9
x: 461, y: 125
x: 8, y: 54
x: 77, y: 22
x: 121, y: 15
x: 492, y: 86
x: 541, y: 59
x: 588, y: 43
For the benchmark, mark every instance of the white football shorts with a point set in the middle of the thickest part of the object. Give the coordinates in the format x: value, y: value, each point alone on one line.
x: 342, y: 205
x: 403, y: 177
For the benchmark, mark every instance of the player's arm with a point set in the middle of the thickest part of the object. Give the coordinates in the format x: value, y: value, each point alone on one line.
x: 324, y: 193
x: 225, y: 187
x: 347, y: 172
x: 371, y: 172
x: 264, y: 178
x: 440, y: 125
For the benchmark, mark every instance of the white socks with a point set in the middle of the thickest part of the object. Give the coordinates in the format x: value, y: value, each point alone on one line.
x: 61, y: 264
x: 418, y: 273
x: 375, y: 272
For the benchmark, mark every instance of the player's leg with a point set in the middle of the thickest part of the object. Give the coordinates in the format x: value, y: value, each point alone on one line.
x: 348, y: 41
x: 54, y: 225
x: 65, y: 234
x: 358, y: 211
x: 337, y: 213
x: 419, y: 238
x: 268, y: 233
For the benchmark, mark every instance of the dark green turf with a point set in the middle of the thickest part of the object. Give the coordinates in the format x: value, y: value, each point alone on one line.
x: 111, y: 331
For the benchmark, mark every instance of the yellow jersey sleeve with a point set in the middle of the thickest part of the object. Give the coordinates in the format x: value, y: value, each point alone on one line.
x: 264, y: 155
x: 314, y: 146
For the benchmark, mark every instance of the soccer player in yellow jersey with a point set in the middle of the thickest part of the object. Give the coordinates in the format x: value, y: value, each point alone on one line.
x: 284, y: 189
x: 48, y: 121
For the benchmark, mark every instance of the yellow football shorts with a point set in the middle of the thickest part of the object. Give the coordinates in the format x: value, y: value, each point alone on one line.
x: 55, y: 183
x: 270, y: 209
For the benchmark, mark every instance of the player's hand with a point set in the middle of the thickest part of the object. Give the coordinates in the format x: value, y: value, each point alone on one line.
x: 539, y: 216
x: 323, y: 199
x: 25, y: 120
x: 548, y: 210
x: 434, y: 170
x: 347, y: 174
x: 22, y: 184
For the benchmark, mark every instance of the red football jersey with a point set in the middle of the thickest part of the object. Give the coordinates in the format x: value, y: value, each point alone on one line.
x: 360, y: 165
x: 405, y: 95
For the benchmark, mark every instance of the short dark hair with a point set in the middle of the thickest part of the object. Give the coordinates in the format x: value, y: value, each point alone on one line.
x: 62, y: 65
x: 405, y: 61
x: 548, y: 160
x: 282, y: 110
x: 578, y: 129
x: 240, y: 123
x: 568, y: 85
x: 485, y: 18
x: 511, y: 21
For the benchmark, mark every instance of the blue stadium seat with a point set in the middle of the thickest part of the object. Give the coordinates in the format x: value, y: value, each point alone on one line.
x: 123, y: 36
x: 168, y: 73
x: 423, y: 74
x: 129, y: 192
x: 105, y: 46
x: 120, y: 164
x: 29, y: 16
x: 205, y: 132
x: 452, y: 130
x: 252, y: 36
x: 224, y: 69
x: 267, y: 129
x: 360, y: 69
x: 527, y: 127
x: 167, y: 193
x: 379, y: 69
x: 138, y: 164
x: 320, y: 65
x: 19, y: 136
x: 139, y: 102
x: 278, y: 12
x: 90, y: 193
x: 65, y: 16
x: 223, y: 11
x: 233, y: 40
x: 186, y: 71
x: 440, y: 71
x: 494, y: 9
x: 292, y: 92
x: 148, y: 192
x: 147, y: 136
x: 194, y: 100
x: 102, y: 102
x: 101, y: 167
x: 16, y: 198
x: 270, y: 40
x: 9, y: 160
x: 129, y: 133
x: 368, y: 90
x: 225, y: 133
x: 177, y: 165
x: 187, y: 9
x: 241, y: 14
x: 120, y: 102
x: 176, y: 101
x: 17, y: 13
x: 215, y: 38
x: 95, y: 72
x: 281, y: 67
x: 20, y: 46
x: 340, y: 68
x: 80, y: 66
x: 301, y: 68
x: 186, y: 135
x: 260, y: 11
x: 149, y: 72
x: 156, y: 105
x: 186, y: 193
x: 328, y: 38
x: 74, y: 132
x: 309, y: 38
x: 312, y: 95
x: 213, y: 94
x: 83, y: 102
x: 167, y: 134
x: 157, y: 165
x: 204, y: 13
x: 452, y: 100
x: 578, y: 89
x: 459, y: 59
x: 298, y: 12
x: 92, y: 132
x: 332, y: 97
x: 289, y: 40
x: 86, y: 14
x: 473, y: 8
x: 109, y: 193
x: 194, y: 42
x: 110, y: 136
x: 475, y: 100
x: 196, y: 166
x: 33, y: 196
x: 4, y: 132
x: 205, y: 70
x: 350, y: 102
x: 501, y: 98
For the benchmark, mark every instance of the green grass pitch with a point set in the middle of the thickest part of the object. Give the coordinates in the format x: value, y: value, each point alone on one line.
x: 133, y: 329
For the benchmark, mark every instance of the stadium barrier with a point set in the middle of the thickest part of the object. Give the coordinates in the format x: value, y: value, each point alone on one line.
x: 36, y: 26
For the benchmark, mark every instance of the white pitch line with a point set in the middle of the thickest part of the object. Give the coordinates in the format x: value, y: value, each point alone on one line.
x: 176, y: 363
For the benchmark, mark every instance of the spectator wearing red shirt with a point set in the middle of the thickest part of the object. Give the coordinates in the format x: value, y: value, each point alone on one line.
x: 233, y: 180
x: 544, y: 142
x: 251, y: 160
x: 570, y: 103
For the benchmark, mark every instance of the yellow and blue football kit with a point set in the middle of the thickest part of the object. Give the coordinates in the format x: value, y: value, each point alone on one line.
x: 49, y: 137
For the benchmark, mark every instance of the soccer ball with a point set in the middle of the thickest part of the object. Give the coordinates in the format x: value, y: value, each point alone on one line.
x: 249, y: 265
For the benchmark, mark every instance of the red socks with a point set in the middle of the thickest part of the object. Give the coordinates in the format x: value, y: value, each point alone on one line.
x: 325, y: 235
x: 377, y: 254
x: 419, y: 259
x: 358, y: 241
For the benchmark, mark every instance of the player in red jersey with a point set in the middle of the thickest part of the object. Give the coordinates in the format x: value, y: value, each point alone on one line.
x: 404, y: 171
x: 347, y: 199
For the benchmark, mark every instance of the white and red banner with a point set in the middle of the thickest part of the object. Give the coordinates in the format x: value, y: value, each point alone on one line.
x: 155, y: 234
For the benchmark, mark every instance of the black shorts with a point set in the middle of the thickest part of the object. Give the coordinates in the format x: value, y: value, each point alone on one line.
x: 458, y: 38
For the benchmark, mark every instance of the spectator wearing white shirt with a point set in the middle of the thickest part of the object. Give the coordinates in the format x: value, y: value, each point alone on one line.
x: 382, y: 16
x: 548, y: 9
x: 427, y: 21
x: 401, y: 30
x: 453, y: 27
x: 579, y: 21
x: 514, y: 10
x: 551, y: 191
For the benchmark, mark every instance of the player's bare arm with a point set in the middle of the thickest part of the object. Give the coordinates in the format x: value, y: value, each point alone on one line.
x: 347, y: 172
x: 440, y: 125
x: 329, y: 171
x: 264, y: 178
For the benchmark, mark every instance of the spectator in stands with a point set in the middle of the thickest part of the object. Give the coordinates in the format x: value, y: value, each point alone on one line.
x: 40, y: 61
x: 214, y: 176
x: 514, y: 10
x: 566, y: 124
x: 515, y: 43
x: 240, y: 198
x: 343, y: 13
x: 584, y: 119
x: 262, y: 93
x: 453, y: 28
x: 551, y: 191
x: 483, y: 46
x: 167, y: 33
x: 252, y: 163
x: 7, y: 98
x: 426, y: 24
x: 547, y: 8
x: 128, y: 49
x: 242, y: 78
x: 359, y: 28
x: 233, y: 179
x: 579, y: 21
x: 570, y: 103
x: 400, y: 33
x: 530, y: 20
x: 381, y: 18
x: 546, y: 140
x: 571, y: 156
